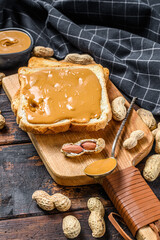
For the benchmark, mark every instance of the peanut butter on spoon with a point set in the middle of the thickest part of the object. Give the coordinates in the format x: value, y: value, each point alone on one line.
x: 100, y: 167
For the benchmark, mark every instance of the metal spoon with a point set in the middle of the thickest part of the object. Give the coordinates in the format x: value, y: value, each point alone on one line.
x: 112, y: 159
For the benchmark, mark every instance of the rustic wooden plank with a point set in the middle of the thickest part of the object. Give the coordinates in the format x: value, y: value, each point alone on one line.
x: 5, y: 104
x: 22, y: 172
x: 49, y: 227
x: 11, y: 133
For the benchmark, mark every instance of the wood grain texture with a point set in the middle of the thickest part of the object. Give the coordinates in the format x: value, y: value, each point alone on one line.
x: 5, y: 105
x: 23, y: 172
x: 11, y: 133
x: 50, y: 227
x: 67, y: 171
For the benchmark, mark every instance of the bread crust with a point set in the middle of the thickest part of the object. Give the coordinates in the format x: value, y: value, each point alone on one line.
x: 52, y: 128
x: 36, y: 62
x: 61, y: 126
x: 15, y: 102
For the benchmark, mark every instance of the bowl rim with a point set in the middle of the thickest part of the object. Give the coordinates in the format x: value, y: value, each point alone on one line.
x: 20, y: 30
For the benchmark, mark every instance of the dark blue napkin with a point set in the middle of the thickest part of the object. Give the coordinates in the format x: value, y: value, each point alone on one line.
x: 123, y: 35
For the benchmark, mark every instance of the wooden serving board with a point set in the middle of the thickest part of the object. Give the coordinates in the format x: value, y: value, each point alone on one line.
x: 70, y: 171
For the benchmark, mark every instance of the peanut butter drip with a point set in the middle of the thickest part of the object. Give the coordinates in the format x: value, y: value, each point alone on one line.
x: 57, y: 94
x: 13, y: 41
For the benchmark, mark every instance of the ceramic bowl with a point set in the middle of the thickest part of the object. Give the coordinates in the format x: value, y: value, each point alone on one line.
x: 10, y: 60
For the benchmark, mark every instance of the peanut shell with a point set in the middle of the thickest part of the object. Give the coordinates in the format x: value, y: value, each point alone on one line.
x: 43, y: 200
x: 138, y: 134
x: 2, y: 122
x: 152, y: 168
x: 147, y: 118
x: 83, y: 59
x: 71, y: 227
x: 94, y: 204
x: 97, y: 224
x: 2, y: 75
x: 95, y: 145
x: 40, y: 51
x: 130, y: 143
x: 157, y: 146
x: 118, y: 108
x: 61, y: 202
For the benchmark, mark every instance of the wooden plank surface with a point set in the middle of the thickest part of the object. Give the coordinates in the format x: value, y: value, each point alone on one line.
x: 23, y: 172
x: 72, y: 172
x: 10, y: 134
x: 50, y: 227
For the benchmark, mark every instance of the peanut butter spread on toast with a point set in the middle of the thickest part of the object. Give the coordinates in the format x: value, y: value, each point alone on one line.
x: 57, y: 94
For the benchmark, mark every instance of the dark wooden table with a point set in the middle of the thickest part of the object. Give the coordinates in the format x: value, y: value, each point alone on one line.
x: 22, y: 172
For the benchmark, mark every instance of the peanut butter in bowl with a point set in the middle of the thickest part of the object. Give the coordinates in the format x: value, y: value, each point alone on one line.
x: 15, y: 47
x: 13, y: 41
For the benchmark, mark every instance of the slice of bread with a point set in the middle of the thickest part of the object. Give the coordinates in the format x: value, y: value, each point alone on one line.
x: 66, y: 124
x: 15, y: 102
x: 35, y: 62
x: 16, y: 98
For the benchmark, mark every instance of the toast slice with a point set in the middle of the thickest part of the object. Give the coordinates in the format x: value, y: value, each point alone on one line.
x: 63, y: 125
x: 15, y: 102
x: 36, y: 62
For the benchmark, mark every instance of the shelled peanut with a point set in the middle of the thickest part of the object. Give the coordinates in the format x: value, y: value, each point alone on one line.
x: 40, y: 51
x: 131, y: 142
x: 83, y: 146
x: 152, y: 168
x: 71, y: 227
x: 118, y: 108
x: 147, y: 118
x: 48, y: 203
x: 83, y: 59
x: 96, y: 217
x: 156, y: 134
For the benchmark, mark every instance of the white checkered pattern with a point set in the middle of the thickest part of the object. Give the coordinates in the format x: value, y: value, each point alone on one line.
x: 122, y: 35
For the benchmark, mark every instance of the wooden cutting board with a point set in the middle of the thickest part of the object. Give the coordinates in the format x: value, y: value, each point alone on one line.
x: 70, y: 171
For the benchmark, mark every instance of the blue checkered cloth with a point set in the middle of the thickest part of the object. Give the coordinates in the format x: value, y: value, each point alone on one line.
x: 123, y: 35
